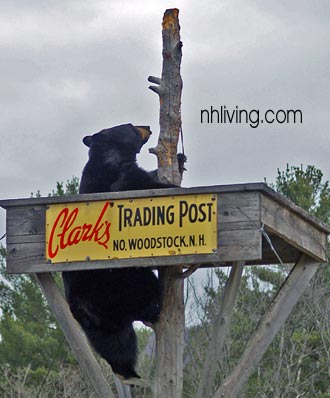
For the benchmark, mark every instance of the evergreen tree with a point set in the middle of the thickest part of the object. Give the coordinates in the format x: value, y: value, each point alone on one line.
x: 306, y: 189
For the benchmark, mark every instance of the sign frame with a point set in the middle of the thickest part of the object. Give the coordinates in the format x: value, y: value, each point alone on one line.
x: 131, y: 228
x: 244, y: 212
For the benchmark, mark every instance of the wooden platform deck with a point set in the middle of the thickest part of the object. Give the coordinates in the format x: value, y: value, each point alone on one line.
x: 249, y: 218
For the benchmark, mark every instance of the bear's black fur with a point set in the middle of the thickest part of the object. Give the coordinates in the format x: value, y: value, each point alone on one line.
x: 106, y: 302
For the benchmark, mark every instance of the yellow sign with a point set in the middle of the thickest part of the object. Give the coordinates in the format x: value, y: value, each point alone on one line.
x: 130, y: 228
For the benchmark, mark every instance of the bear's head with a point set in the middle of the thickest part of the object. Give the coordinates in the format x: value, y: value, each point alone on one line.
x: 124, y: 138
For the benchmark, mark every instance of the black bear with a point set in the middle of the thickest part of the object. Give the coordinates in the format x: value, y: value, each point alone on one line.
x: 106, y: 302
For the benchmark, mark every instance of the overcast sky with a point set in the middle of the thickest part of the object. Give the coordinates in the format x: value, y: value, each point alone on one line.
x: 70, y: 68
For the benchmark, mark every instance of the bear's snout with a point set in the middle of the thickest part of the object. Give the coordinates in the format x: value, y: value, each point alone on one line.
x: 144, y: 132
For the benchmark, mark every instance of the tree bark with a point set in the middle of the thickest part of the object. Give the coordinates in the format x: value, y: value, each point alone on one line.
x: 170, y: 327
x: 169, y: 89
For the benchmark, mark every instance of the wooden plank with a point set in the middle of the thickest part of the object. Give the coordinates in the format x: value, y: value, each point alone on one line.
x: 238, y: 238
x: 25, y: 220
x: 23, y: 239
x: 24, y: 255
x: 220, y: 189
x: 272, y: 321
x: 74, y: 336
x: 220, y: 329
x: 239, y: 219
x: 239, y: 245
x: 295, y: 230
x: 239, y: 207
x: 295, y: 209
x: 244, y: 207
x: 237, y: 226
x: 17, y: 265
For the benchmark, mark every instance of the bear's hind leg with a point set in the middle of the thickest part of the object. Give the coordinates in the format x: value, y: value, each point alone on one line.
x: 118, y: 348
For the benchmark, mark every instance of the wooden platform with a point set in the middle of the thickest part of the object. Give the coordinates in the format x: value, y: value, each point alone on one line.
x: 250, y: 216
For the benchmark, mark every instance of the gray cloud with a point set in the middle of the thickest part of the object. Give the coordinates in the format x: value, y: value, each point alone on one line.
x: 70, y: 68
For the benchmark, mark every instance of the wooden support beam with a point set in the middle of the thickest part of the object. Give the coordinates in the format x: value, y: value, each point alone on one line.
x: 220, y: 329
x: 170, y: 336
x: 292, y: 228
x: 278, y: 311
x: 74, y: 336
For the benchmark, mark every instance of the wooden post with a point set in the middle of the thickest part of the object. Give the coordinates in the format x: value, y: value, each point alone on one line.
x: 219, y: 330
x: 73, y: 334
x: 272, y: 321
x: 170, y: 328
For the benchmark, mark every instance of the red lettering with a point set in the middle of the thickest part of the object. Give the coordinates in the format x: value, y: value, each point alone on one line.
x: 52, y: 253
x: 98, y: 225
x: 74, y: 236
x: 106, y: 235
x: 67, y: 225
x: 70, y: 234
x: 86, y: 230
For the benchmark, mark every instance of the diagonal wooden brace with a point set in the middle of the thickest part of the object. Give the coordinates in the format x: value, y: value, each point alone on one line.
x: 220, y: 329
x: 73, y: 334
x: 278, y: 311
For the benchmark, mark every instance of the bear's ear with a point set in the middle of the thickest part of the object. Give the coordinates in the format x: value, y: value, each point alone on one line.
x: 87, y: 140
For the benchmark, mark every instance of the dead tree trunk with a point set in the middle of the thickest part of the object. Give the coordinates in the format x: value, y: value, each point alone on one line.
x: 170, y: 328
x: 169, y: 89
